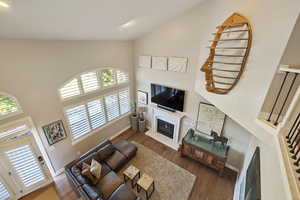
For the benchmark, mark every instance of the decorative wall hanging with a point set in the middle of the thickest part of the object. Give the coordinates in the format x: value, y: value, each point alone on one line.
x: 229, y: 51
x: 159, y: 63
x: 177, y: 64
x: 55, y: 132
x: 142, y: 97
x: 145, y: 61
x: 209, y: 119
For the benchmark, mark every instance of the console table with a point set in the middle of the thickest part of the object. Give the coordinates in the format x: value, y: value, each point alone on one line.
x: 204, y: 151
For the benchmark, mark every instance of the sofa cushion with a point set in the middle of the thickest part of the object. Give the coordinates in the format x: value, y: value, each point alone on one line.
x: 108, y: 184
x: 116, y: 161
x: 91, y: 192
x: 123, y: 193
x: 79, y: 177
x: 106, y: 151
x: 88, y: 160
x: 87, y: 172
x: 105, y: 169
x: 126, y: 148
x: 96, y: 169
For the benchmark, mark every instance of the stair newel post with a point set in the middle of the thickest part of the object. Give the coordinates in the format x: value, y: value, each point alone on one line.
x: 291, y: 130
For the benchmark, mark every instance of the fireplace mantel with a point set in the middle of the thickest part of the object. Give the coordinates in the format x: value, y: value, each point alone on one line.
x: 170, y: 117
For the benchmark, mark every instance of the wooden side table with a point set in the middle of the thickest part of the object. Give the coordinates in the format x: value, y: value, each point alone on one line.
x: 146, y: 183
x: 131, y: 173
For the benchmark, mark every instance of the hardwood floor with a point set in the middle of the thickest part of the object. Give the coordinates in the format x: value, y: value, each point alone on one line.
x: 208, y: 185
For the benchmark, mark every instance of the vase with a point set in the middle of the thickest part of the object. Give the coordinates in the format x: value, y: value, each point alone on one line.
x: 142, y: 125
x: 134, y: 122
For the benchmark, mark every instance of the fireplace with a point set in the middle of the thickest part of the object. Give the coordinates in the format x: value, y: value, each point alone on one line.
x: 165, y: 128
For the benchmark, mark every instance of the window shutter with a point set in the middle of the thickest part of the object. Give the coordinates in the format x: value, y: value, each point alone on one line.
x: 26, y: 165
x: 112, y: 106
x: 78, y: 121
x: 70, y: 89
x: 96, y: 113
x: 124, y: 99
x: 108, y: 77
x: 14, y: 130
x: 122, y: 77
x: 4, y: 194
x: 90, y: 82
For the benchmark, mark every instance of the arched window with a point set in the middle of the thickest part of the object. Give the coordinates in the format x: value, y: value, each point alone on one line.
x: 91, y: 114
x: 9, y: 106
x: 92, y: 81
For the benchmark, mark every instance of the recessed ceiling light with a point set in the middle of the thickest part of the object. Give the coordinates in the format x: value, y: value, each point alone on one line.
x: 4, y: 4
x: 128, y: 24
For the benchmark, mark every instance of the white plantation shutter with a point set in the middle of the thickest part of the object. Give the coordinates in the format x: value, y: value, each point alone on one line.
x: 26, y: 165
x: 78, y: 121
x: 96, y: 113
x: 90, y: 82
x: 14, y: 130
x: 122, y: 77
x: 112, y: 106
x: 124, y: 101
x: 70, y: 89
x: 4, y: 194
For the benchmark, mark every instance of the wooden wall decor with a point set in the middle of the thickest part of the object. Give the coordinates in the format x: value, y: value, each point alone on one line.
x: 228, y: 56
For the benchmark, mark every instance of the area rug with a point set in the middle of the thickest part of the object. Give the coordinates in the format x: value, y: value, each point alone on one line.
x: 171, y: 181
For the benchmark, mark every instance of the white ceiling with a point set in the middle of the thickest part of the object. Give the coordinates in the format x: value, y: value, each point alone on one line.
x: 86, y: 19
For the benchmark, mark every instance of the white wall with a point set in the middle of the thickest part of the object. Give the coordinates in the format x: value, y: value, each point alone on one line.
x: 32, y: 71
x: 188, y: 35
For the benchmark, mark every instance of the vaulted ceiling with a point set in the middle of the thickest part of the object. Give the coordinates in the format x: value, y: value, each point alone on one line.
x: 86, y: 19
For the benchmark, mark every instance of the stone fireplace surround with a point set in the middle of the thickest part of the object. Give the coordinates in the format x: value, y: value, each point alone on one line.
x: 170, y: 117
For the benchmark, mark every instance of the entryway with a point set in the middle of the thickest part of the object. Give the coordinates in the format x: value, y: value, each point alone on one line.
x: 22, y: 167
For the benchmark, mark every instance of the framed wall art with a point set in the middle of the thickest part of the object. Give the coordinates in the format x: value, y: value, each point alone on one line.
x: 145, y: 61
x: 55, y: 132
x: 209, y: 119
x: 160, y: 63
x: 142, y: 97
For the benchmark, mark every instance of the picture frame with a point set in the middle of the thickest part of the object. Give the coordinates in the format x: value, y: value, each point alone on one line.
x: 177, y: 64
x: 145, y: 61
x: 209, y: 118
x: 142, y: 97
x: 54, y: 132
x: 160, y: 63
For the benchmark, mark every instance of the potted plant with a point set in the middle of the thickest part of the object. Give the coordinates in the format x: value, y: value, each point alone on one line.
x: 142, y: 120
x: 134, y: 118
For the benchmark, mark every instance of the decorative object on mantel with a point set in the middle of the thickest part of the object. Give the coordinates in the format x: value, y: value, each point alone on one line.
x: 204, y: 151
x: 134, y: 118
x: 142, y: 97
x: 160, y: 63
x: 228, y: 56
x: 145, y: 61
x: 55, y: 132
x: 142, y: 120
x: 216, y: 138
x: 209, y: 119
x: 177, y: 64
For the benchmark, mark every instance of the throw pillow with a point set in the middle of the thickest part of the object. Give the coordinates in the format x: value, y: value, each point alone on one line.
x: 96, y: 169
x: 86, y: 171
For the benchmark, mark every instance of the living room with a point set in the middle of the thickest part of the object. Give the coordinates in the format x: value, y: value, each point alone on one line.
x: 75, y: 79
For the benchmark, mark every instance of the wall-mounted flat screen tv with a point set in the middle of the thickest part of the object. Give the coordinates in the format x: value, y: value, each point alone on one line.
x: 166, y: 97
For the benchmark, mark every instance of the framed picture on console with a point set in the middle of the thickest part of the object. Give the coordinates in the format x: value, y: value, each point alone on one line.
x: 209, y: 118
x: 142, y: 97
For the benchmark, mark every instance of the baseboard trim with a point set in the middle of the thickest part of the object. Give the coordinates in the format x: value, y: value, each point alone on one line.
x: 59, y: 172
x: 232, y: 168
x: 120, y: 132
